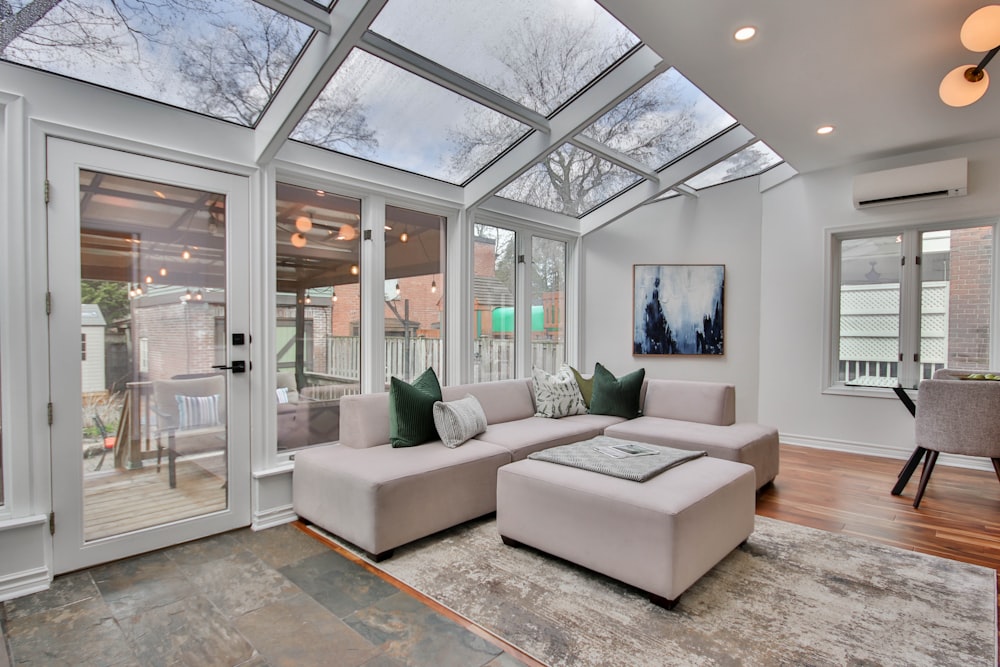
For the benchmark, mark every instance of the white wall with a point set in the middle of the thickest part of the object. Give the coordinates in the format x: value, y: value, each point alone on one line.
x: 796, y: 217
x: 721, y: 226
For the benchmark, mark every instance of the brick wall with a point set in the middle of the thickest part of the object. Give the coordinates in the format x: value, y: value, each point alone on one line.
x: 969, y: 298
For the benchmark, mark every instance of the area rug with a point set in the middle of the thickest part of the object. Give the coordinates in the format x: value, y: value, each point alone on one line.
x: 790, y: 596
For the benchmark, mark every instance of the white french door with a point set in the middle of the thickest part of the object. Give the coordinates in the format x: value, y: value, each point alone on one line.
x: 149, y: 324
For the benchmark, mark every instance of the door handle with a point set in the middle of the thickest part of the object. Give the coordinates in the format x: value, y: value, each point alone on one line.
x: 238, y: 366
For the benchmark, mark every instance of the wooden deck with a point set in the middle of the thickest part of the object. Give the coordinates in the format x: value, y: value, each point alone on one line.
x: 120, y: 501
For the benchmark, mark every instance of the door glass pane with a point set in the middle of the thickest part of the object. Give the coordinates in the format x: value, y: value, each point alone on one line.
x: 548, y: 303
x: 494, y: 250
x: 318, y: 318
x: 956, y: 276
x: 414, y: 293
x: 869, y: 310
x: 153, y: 295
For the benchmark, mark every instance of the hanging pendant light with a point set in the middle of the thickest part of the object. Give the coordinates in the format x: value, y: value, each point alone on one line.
x: 967, y: 83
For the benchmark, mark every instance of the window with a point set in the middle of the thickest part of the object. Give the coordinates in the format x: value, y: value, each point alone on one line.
x: 911, y: 302
x: 414, y: 293
x: 548, y: 303
x: 494, y: 261
x: 318, y: 310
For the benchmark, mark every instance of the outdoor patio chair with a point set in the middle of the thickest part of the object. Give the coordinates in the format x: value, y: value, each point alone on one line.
x: 191, y: 414
x: 107, y: 440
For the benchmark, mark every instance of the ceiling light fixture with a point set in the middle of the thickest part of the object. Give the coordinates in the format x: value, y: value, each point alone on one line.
x: 303, y: 223
x: 347, y: 233
x: 298, y: 240
x: 967, y: 83
x: 745, y: 33
x: 824, y: 129
x: 404, y: 237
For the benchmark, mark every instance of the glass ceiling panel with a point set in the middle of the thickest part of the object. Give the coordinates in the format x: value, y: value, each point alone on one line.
x: 224, y: 58
x: 537, y: 53
x: 750, y: 161
x: 661, y: 121
x: 374, y: 110
x: 571, y: 181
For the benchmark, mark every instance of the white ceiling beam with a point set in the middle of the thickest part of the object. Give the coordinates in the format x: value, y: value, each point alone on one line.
x: 312, y: 15
x: 321, y: 58
x: 588, y: 106
x: 672, y: 177
x: 412, y: 62
x: 686, y: 190
x: 615, y: 157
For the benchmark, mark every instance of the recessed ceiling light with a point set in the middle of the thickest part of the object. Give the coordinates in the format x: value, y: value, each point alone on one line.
x: 824, y: 129
x: 745, y: 33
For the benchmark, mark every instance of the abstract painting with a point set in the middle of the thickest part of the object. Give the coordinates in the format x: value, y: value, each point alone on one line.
x: 678, y: 308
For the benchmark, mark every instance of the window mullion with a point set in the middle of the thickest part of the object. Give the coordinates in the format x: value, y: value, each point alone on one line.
x: 909, y: 311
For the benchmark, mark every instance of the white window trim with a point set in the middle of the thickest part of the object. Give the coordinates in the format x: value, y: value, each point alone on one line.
x: 831, y: 313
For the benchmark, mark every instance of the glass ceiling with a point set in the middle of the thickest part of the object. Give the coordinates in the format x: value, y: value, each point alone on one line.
x: 440, y: 88
x: 225, y: 59
x: 538, y: 54
x: 374, y: 110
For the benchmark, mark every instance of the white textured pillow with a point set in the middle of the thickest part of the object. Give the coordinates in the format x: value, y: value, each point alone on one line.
x: 557, y: 395
x: 458, y: 421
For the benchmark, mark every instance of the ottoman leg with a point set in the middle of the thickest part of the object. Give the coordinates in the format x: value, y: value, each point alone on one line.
x: 661, y: 601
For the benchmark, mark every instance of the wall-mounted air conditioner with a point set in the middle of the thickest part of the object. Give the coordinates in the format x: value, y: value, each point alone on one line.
x: 934, y: 180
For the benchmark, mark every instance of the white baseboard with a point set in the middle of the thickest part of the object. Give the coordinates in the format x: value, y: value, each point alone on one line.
x: 970, y: 462
x: 274, y: 516
x: 24, y: 583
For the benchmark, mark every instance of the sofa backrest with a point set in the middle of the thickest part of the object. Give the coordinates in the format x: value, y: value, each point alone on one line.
x: 364, y: 418
x: 704, y: 402
x: 502, y: 400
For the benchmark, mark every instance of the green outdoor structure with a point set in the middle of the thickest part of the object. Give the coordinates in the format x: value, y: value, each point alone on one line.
x: 503, y: 319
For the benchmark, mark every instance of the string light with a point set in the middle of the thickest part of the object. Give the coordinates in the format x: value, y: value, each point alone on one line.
x: 333, y: 298
x: 185, y: 253
x: 149, y: 280
x: 397, y: 288
x: 303, y: 223
x: 434, y: 286
x: 163, y: 271
x: 354, y: 269
x: 298, y: 240
x: 404, y: 237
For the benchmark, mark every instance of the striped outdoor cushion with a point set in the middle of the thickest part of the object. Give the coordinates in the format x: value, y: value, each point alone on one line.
x: 197, y: 411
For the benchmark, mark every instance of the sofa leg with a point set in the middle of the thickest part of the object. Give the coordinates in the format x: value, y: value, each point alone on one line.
x: 379, y: 557
x: 661, y: 601
x: 511, y: 542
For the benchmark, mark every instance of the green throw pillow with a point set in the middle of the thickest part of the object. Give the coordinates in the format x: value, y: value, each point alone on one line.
x: 586, y: 385
x: 618, y: 397
x: 411, y: 409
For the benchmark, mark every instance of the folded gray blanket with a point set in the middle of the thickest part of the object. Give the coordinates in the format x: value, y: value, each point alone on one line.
x: 588, y: 456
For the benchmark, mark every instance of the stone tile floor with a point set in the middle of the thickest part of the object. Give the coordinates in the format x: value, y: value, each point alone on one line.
x: 275, y: 597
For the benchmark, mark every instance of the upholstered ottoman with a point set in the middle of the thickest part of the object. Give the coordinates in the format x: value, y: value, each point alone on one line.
x: 660, y: 535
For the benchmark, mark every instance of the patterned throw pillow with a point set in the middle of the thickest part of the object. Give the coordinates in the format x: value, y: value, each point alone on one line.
x: 557, y: 395
x: 411, y: 409
x: 197, y: 411
x: 458, y: 421
x: 618, y: 397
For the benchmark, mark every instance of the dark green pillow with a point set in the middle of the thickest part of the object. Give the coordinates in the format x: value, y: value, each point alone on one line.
x: 618, y: 397
x: 586, y: 385
x: 411, y: 409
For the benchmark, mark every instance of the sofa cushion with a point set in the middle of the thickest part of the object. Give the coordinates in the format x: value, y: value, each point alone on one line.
x: 586, y: 385
x: 381, y: 497
x: 703, y: 402
x: 194, y: 412
x: 502, y: 400
x: 458, y: 421
x: 745, y: 442
x: 411, y: 409
x: 557, y: 395
x: 524, y: 436
x: 616, y: 396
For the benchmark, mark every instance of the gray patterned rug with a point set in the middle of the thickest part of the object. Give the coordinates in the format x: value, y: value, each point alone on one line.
x: 790, y: 596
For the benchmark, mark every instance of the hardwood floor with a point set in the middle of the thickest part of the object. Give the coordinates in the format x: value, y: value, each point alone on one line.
x: 959, y: 515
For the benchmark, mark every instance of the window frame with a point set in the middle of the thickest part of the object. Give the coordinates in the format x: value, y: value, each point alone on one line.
x: 910, y: 298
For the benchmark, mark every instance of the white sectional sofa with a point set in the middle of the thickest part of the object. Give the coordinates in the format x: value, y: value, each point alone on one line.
x: 378, y: 497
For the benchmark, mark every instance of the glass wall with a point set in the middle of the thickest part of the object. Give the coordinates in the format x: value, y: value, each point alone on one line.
x: 318, y: 312
x: 548, y: 303
x: 494, y: 263
x: 414, y: 293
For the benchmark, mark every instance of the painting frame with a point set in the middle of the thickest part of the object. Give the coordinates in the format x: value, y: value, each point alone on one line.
x: 678, y: 309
